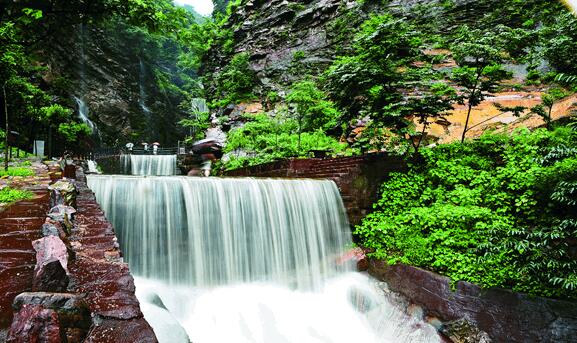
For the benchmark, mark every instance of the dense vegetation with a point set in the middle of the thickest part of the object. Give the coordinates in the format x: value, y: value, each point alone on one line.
x: 9, y: 195
x: 500, y: 211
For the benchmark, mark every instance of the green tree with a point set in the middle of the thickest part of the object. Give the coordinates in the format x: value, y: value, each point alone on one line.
x: 368, y: 79
x: 548, y: 100
x: 311, y: 108
x: 198, y: 121
x: 479, y: 56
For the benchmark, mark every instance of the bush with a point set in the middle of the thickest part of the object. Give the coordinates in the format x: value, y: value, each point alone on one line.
x: 16, y: 171
x: 9, y: 195
x: 499, y: 211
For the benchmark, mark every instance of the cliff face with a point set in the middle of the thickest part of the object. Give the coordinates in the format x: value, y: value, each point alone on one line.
x: 111, y: 76
x: 288, y: 40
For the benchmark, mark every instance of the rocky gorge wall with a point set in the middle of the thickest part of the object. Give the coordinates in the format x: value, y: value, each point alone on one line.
x: 466, y: 313
x: 109, y: 75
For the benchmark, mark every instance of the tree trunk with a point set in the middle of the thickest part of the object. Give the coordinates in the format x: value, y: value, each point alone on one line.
x: 466, y: 122
x: 6, y: 144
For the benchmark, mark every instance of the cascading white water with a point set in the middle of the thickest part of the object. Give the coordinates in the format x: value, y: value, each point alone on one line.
x: 92, y: 167
x: 148, y: 164
x: 247, y: 260
x: 142, y: 89
x: 83, y: 113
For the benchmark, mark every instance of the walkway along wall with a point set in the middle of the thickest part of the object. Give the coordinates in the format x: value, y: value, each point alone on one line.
x: 61, y: 271
x: 358, y: 177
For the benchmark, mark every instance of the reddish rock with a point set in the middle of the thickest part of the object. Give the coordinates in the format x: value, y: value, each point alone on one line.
x: 504, y: 315
x: 51, y: 277
x: 19, y: 226
x: 49, y: 249
x: 33, y: 323
x: 73, y: 317
x: 121, y: 331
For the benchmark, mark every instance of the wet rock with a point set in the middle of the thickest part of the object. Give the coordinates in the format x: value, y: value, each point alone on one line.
x: 49, y: 249
x: 51, y: 277
x: 463, y: 331
x: 34, y: 323
x: 64, y: 192
x: 50, y: 230
x: 62, y: 214
x: 121, y: 331
x: 73, y: 318
x: 469, y: 312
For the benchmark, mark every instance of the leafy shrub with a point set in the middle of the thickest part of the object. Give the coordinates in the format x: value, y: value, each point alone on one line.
x: 500, y: 211
x: 16, y: 171
x: 9, y: 195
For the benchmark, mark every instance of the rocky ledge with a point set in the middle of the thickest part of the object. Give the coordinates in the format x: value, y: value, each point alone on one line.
x: 466, y: 313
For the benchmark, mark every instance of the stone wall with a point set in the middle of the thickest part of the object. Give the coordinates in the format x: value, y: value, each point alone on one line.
x: 469, y: 311
x: 358, y: 178
x: 62, y: 276
x: 20, y: 224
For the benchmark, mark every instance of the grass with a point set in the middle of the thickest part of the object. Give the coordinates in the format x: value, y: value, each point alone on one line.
x: 9, y: 195
x: 16, y: 171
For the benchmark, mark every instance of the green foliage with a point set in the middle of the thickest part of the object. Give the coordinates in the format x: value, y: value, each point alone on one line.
x: 479, y: 55
x: 9, y: 195
x: 367, y: 79
x: 16, y: 171
x: 500, y: 211
x: 198, y: 121
x: 545, y: 108
x: 235, y: 82
x: 72, y: 131
x: 264, y: 139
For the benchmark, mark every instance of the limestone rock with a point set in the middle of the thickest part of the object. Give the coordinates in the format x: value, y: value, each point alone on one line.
x: 50, y: 277
x: 62, y: 313
x: 64, y: 192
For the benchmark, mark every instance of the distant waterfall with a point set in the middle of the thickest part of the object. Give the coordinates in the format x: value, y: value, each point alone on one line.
x: 247, y: 260
x: 148, y: 164
x: 83, y: 109
x: 83, y: 114
x: 142, y: 88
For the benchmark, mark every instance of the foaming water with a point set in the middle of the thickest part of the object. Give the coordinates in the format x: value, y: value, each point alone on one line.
x: 148, y: 164
x: 247, y: 260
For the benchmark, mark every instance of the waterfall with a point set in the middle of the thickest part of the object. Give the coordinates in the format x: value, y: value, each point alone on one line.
x: 83, y: 113
x: 148, y: 164
x: 247, y: 260
x: 83, y: 110
x: 92, y: 167
x: 141, y: 85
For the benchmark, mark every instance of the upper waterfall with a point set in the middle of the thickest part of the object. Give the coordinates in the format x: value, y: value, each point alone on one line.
x: 161, y: 165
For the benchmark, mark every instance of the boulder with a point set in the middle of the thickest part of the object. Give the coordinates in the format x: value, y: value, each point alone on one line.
x: 50, y: 277
x: 64, y: 192
x: 59, y: 317
x: 34, y: 323
x: 48, y: 250
x: 463, y: 331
